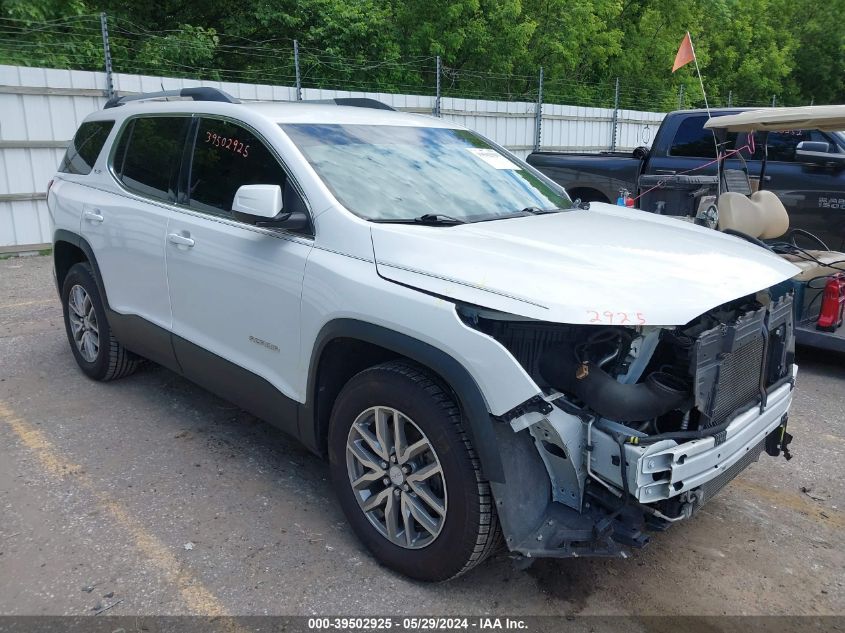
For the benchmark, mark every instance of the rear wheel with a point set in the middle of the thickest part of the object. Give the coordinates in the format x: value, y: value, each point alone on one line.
x: 407, y: 476
x: 98, y: 353
x: 587, y: 195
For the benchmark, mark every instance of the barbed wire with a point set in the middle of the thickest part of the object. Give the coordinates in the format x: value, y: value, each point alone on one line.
x: 76, y: 42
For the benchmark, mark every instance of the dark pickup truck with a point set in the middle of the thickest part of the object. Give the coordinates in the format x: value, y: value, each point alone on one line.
x: 813, y: 192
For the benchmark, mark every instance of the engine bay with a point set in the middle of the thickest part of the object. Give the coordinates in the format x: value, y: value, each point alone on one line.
x: 678, y: 382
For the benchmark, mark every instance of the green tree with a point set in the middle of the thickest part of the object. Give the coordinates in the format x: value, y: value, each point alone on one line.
x: 754, y: 49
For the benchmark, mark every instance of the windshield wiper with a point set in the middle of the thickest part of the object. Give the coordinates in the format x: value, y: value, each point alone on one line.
x: 539, y: 211
x: 430, y: 219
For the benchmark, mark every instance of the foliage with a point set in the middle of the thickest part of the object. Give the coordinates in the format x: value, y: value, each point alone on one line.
x: 748, y: 50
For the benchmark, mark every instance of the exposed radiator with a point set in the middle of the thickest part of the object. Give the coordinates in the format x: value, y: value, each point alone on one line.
x: 732, y: 367
x: 738, y: 385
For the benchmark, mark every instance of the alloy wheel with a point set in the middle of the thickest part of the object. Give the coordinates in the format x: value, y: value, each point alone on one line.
x: 396, y: 477
x: 83, y: 323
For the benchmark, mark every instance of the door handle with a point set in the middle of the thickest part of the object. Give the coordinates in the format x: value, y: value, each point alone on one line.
x: 669, y: 172
x: 93, y: 216
x: 180, y: 240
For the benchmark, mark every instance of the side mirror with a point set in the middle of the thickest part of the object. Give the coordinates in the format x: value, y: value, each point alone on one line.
x: 817, y: 152
x: 641, y: 152
x: 291, y: 221
x: 261, y: 205
x: 261, y: 201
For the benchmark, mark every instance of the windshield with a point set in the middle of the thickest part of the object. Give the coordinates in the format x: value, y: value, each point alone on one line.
x: 385, y: 172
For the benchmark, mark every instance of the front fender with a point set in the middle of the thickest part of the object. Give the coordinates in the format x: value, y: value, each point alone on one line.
x: 471, y: 400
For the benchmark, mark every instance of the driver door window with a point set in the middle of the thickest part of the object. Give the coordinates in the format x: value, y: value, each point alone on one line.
x: 781, y: 145
x: 225, y: 157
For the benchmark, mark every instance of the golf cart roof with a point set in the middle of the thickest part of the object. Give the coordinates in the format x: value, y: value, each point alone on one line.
x: 826, y: 117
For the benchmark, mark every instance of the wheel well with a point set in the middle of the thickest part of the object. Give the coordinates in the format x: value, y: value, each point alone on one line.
x: 587, y: 194
x: 340, y: 360
x: 66, y: 255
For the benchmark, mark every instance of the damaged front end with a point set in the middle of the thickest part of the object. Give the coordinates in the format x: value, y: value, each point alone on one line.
x: 635, y: 427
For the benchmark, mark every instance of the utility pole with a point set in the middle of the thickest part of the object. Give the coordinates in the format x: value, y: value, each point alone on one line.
x: 615, y: 117
x: 438, y: 71
x: 730, y: 98
x: 296, y: 70
x: 538, y: 114
x: 104, y: 27
x: 681, y: 97
x: 774, y: 100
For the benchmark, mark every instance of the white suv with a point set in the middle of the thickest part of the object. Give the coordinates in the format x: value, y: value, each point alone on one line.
x: 476, y: 354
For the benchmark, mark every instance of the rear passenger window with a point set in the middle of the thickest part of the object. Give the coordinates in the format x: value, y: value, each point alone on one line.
x: 693, y: 140
x: 86, y: 145
x: 148, y: 155
x: 225, y: 157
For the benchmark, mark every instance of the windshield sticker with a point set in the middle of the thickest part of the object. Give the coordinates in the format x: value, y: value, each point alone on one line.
x: 492, y: 158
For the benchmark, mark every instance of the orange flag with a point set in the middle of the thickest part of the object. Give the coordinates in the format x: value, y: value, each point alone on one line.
x: 685, y: 53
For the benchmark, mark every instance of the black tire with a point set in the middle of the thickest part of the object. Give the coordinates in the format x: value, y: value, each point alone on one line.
x: 112, y: 360
x: 587, y: 195
x: 470, y: 530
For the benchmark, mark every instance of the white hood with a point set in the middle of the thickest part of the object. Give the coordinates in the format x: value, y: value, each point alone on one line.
x: 605, y: 265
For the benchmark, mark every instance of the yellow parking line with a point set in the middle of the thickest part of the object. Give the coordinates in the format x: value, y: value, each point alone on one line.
x: 36, y: 442
x: 197, y: 598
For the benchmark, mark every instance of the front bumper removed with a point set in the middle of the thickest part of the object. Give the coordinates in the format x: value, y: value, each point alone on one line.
x: 666, y: 469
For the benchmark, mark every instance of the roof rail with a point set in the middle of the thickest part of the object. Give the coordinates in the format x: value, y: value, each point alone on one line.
x: 203, y: 93
x: 355, y: 102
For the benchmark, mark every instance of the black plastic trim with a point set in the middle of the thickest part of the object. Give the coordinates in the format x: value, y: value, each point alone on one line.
x: 63, y: 235
x: 534, y: 403
x: 237, y: 385
x: 199, y: 93
x: 144, y: 338
x: 355, y: 102
x: 471, y: 400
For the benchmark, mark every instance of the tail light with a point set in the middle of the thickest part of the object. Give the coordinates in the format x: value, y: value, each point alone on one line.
x: 833, y: 303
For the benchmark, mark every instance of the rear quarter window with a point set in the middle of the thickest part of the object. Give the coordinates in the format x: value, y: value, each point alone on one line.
x: 148, y: 155
x: 85, y: 147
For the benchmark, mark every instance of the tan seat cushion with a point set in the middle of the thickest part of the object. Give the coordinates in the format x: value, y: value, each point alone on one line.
x: 810, y: 269
x: 761, y: 215
x: 775, y: 217
x: 738, y: 213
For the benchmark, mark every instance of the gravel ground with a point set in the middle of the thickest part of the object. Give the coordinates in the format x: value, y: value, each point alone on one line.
x: 156, y: 497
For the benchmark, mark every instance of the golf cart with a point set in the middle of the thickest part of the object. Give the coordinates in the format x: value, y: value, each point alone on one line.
x: 742, y: 207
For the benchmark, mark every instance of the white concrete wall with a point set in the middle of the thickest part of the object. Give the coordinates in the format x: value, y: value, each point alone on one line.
x: 40, y: 109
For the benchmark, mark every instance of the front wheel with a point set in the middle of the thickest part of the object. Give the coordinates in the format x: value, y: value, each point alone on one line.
x: 407, y: 476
